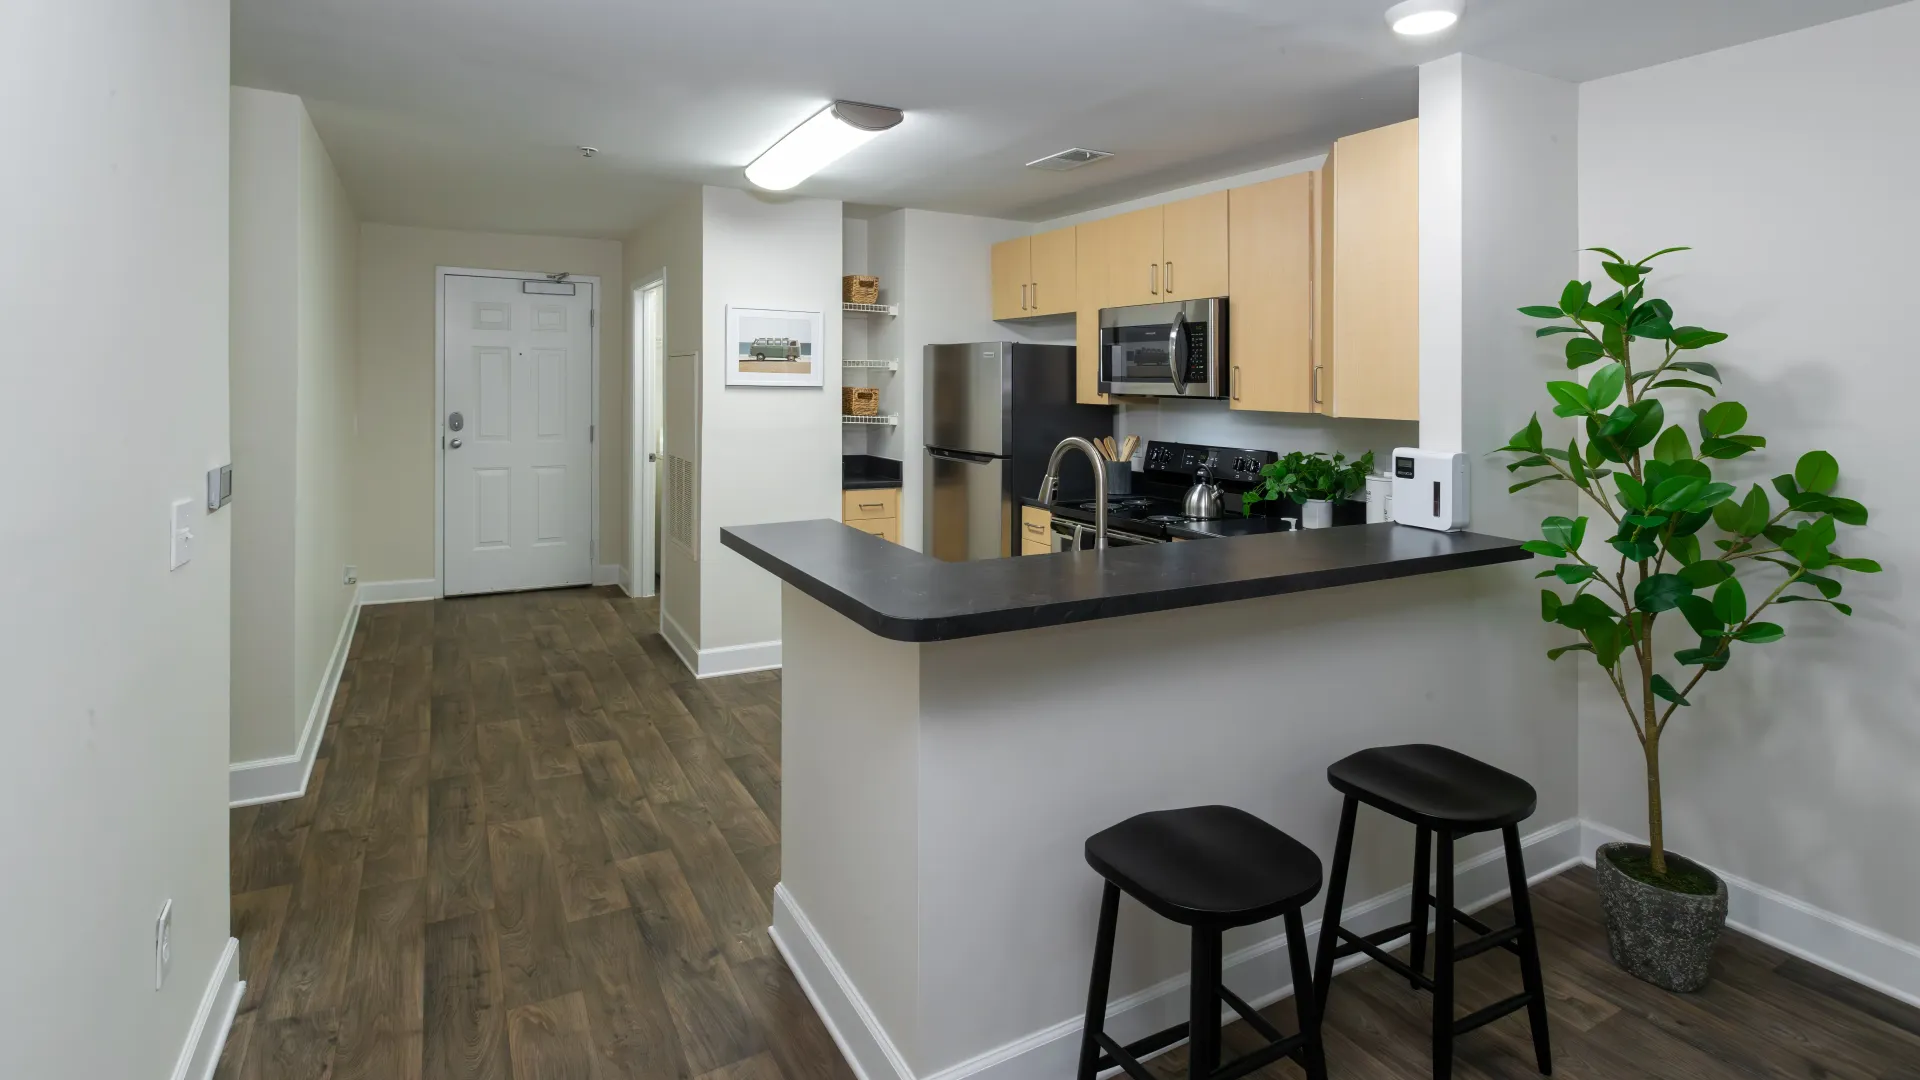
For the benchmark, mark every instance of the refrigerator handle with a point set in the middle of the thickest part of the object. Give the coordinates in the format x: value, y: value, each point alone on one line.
x: 960, y: 455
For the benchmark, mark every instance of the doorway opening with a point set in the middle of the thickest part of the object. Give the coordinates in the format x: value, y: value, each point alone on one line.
x: 649, y: 355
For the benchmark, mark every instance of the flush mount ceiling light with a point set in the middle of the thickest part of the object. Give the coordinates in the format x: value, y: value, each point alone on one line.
x: 826, y: 137
x: 1417, y: 18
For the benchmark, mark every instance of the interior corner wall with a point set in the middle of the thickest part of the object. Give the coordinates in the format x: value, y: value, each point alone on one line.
x: 399, y: 433
x: 1788, y: 165
x: 670, y: 245
x: 113, y: 287
x: 1498, y: 222
x: 766, y: 453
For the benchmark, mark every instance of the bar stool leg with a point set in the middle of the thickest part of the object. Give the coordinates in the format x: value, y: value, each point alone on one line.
x: 1330, y: 914
x: 1443, y: 957
x: 1422, y: 900
x: 1305, y: 1006
x: 1102, y: 974
x: 1529, y: 949
x: 1203, y: 1019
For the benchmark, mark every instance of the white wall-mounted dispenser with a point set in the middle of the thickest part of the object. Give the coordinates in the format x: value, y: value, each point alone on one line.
x: 1430, y: 489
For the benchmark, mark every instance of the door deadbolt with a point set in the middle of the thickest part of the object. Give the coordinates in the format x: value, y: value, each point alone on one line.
x: 455, y: 422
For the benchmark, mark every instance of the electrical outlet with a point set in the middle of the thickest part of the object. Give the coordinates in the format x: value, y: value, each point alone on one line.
x: 351, y: 576
x: 163, y: 944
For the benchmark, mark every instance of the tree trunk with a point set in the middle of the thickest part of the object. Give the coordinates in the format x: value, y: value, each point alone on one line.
x: 1656, y: 839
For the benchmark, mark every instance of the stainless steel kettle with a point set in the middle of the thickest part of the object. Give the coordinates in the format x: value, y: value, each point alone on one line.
x: 1203, y: 498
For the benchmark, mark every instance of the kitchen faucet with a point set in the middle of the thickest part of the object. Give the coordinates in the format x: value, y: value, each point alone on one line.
x: 1052, y: 481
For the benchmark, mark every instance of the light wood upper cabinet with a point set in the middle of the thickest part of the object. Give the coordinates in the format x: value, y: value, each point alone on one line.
x: 1012, y: 277
x: 1090, y: 258
x: 1055, y: 273
x: 1134, y: 245
x: 1373, y: 364
x: 1270, y: 256
x: 1193, y: 254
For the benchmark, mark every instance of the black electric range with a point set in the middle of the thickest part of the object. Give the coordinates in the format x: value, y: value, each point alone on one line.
x: 1154, y: 511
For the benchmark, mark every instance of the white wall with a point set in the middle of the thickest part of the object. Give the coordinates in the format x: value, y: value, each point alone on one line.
x: 292, y: 372
x: 113, y: 670
x: 767, y: 453
x: 1788, y: 164
x: 399, y: 433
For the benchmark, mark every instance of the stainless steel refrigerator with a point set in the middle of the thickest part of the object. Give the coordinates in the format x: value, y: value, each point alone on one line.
x: 994, y: 412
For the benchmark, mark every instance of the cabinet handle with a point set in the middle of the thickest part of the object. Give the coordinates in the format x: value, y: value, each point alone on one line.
x: 871, y: 506
x: 1023, y: 297
x: 1166, y: 279
x: 1316, y: 385
x: 1034, y: 527
x: 1153, y: 278
x: 1236, y: 382
x: 1036, y: 296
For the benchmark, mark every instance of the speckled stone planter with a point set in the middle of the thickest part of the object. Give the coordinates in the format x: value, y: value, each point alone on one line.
x: 1656, y: 934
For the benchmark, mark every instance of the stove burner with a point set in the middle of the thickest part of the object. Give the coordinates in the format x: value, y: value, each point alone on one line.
x: 1116, y: 504
x: 1171, y: 519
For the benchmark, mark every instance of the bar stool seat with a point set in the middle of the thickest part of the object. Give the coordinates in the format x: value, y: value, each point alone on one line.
x: 1434, y: 786
x: 1210, y: 868
x: 1207, y: 865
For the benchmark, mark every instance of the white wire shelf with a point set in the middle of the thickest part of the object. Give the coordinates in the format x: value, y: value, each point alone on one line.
x: 870, y: 309
x: 871, y: 365
x: 882, y: 421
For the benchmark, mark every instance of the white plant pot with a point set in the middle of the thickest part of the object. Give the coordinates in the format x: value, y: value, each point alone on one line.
x: 1316, y: 514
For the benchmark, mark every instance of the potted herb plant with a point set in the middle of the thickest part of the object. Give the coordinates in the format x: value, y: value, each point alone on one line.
x: 1316, y: 481
x: 1683, y: 544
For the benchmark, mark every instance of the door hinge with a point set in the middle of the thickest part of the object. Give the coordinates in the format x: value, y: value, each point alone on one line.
x: 593, y: 318
x: 590, y: 431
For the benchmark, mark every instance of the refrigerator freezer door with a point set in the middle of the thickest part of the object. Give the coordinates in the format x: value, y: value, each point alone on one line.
x: 968, y: 391
x: 969, y: 512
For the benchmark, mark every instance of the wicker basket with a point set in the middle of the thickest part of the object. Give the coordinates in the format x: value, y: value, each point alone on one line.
x: 860, y: 289
x: 860, y: 401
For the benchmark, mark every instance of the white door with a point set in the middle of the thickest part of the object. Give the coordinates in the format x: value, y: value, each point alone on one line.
x: 517, y: 436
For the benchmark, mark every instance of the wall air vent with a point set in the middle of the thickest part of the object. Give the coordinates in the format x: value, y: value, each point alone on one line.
x: 1068, y: 159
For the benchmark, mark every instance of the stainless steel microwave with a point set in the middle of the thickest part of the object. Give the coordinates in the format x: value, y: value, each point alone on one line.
x: 1177, y: 349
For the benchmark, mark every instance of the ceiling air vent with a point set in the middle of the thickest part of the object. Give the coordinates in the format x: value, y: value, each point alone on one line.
x: 1068, y: 159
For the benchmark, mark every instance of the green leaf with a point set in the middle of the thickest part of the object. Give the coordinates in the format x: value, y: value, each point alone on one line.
x: 1709, y: 655
x: 1808, y: 542
x: 1828, y: 587
x: 1706, y: 574
x: 1529, y: 437
x: 1549, y: 605
x: 1729, y: 516
x: 1730, y: 602
x: 1663, y: 251
x: 1677, y: 492
x: 1541, y: 311
x: 1541, y: 547
x: 1688, y: 523
x: 1650, y: 416
x: 1816, y: 471
x: 1660, y: 592
x: 1525, y: 484
x: 1622, y: 272
x: 1563, y: 531
x: 1692, y: 337
x: 1786, y: 487
x: 1683, y: 384
x: 1858, y: 566
x: 1684, y: 549
x: 1555, y: 654
x: 1846, y: 511
x: 1608, y: 644
x: 1844, y: 609
x: 1574, y: 297
x: 1635, y: 550
x: 1672, y: 445
x: 1575, y: 466
x: 1614, y: 339
x: 1760, y: 633
x: 1723, y: 448
x: 1585, y: 612
x: 1710, y: 496
x: 1645, y: 521
x: 1582, y: 351
x: 1755, y: 513
x: 1698, y: 367
x: 1549, y: 331
x: 1664, y: 690
x: 1572, y: 398
x: 1574, y: 573
x: 1604, y: 388
x: 1700, y: 616
x: 1632, y: 495
x: 1723, y: 419
x: 1608, y: 252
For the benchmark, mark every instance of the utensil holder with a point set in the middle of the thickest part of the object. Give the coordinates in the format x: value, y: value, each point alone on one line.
x: 1119, y: 477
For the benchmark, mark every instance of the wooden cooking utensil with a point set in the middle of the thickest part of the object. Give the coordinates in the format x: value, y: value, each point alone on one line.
x: 1126, y: 450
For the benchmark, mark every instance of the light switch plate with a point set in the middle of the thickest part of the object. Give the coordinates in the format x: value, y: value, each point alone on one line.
x: 185, y: 514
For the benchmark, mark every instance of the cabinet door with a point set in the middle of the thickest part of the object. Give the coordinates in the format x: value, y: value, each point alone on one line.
x: 887, y: 529
x: 1036, y: 526
x: 1133, y: 257
x: 1012, y: 277
x: 1055, y: 273
x: 1376, y: 274
x: 1034, y: 547
x: 1270, y: 250
x: 1193, y: 259
x: 1090, y: 258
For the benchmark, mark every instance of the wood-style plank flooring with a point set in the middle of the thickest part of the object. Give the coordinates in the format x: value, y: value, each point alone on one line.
x: 534, y: 847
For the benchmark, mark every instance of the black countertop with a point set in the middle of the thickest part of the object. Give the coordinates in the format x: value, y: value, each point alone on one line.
x: 898, y: 593
x: 859, y: 472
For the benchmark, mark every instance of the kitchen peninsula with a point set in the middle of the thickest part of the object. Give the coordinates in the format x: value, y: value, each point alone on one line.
x: 953, y: 731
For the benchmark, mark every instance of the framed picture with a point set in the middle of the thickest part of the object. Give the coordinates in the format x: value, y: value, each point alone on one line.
x: 774, y: 348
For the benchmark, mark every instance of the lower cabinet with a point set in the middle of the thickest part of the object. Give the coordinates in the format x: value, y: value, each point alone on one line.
x: 1036, y: 531
x: 873, y: 510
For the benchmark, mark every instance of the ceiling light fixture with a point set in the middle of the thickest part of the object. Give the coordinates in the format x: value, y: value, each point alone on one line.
x: 825, y: 138
x: 587, y: 151
x: 1418, y: 18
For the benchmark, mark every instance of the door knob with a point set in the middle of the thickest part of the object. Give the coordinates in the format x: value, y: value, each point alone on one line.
x: 454, y: 445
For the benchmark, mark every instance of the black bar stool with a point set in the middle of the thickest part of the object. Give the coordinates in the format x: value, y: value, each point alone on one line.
x: 1211, y: 868
x: 1446, y: 795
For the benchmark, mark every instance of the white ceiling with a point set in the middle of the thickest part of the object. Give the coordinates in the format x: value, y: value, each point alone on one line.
x: 465, y: 113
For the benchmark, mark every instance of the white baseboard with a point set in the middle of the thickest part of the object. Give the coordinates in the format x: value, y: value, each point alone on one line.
x: 213, y: 1019
x: 626, y: 582
x: 725, y: 660
x: 274, y: 779
x: 1835, y: 942
x: 1259, y: 973
x: 399, y: 592
x: 609, y: 574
